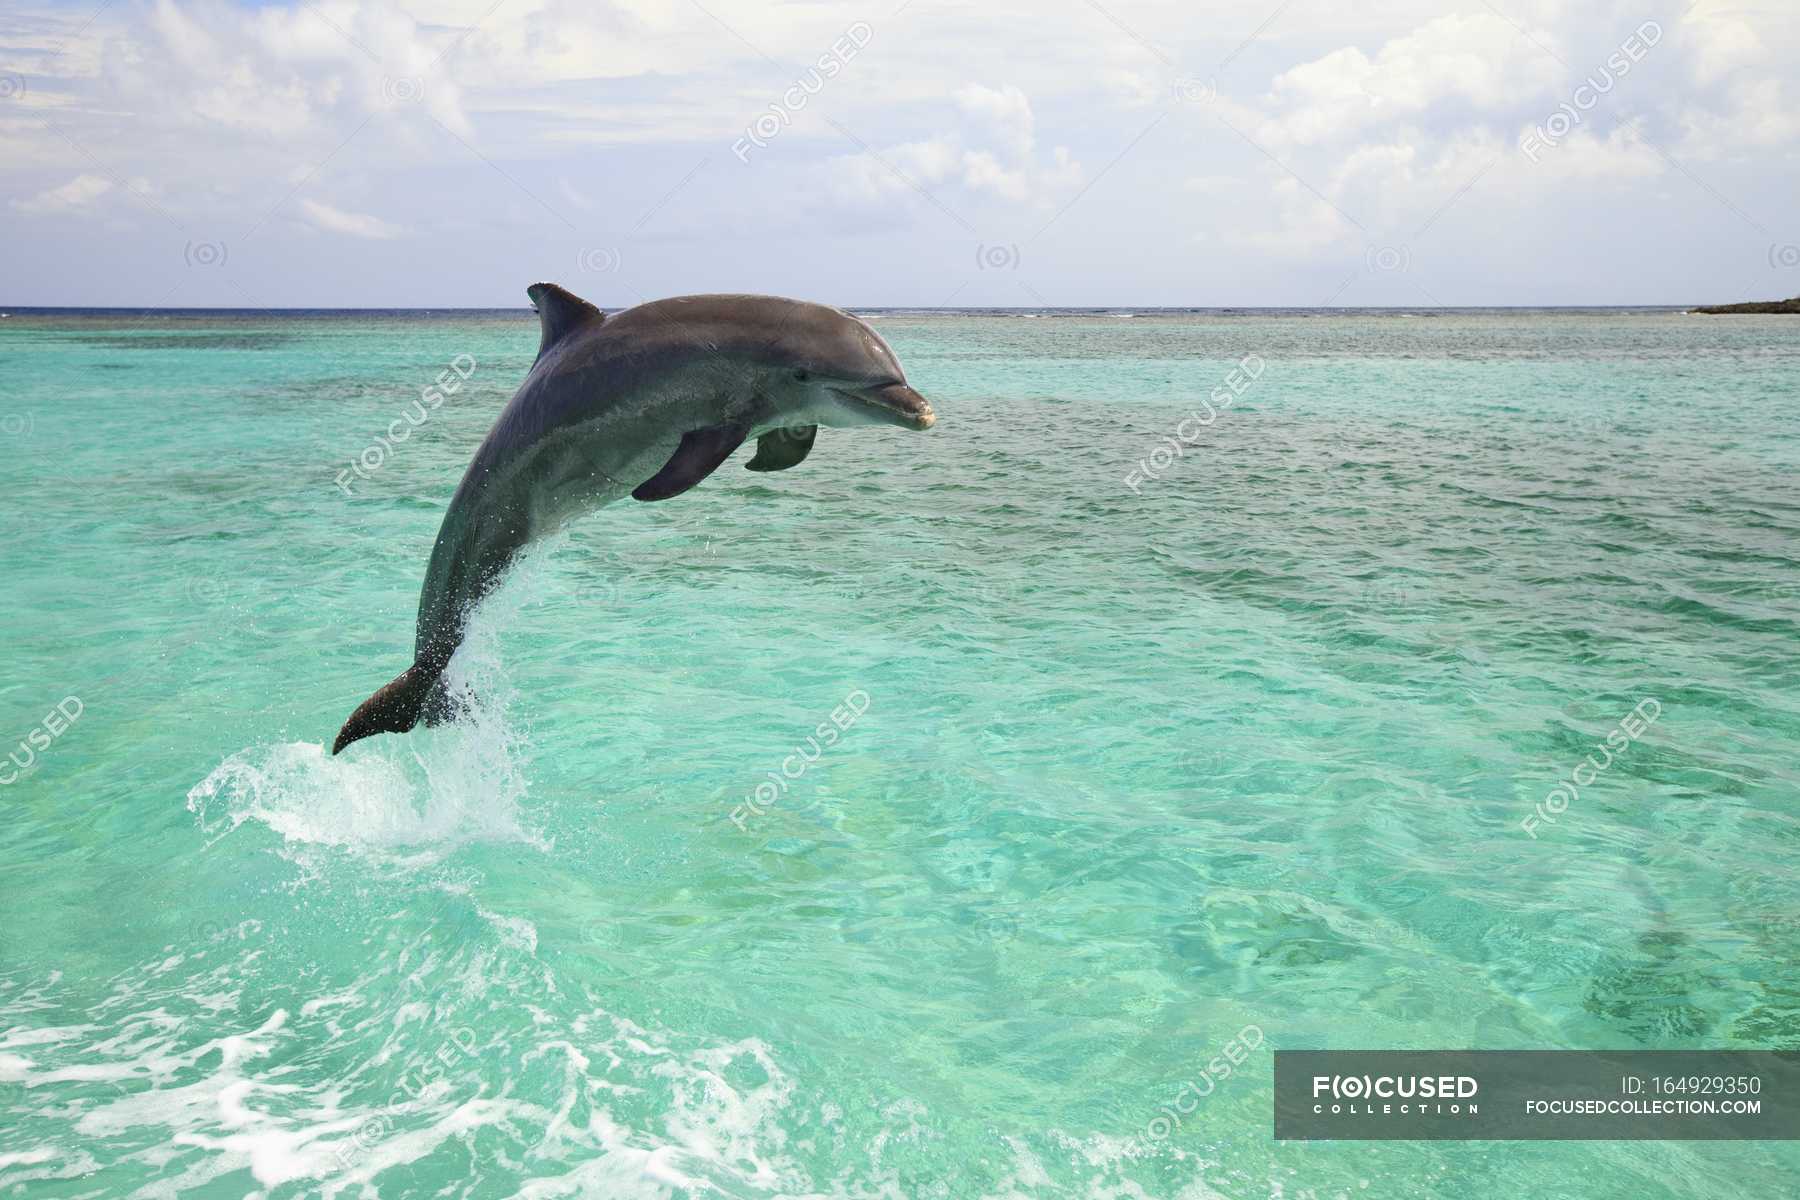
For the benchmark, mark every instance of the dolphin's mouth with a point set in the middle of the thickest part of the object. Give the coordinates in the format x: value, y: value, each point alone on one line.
x: 896, y: 403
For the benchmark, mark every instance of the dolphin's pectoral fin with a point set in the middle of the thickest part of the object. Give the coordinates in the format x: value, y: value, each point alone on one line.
x: 779, y: 449
x: 699, y: 455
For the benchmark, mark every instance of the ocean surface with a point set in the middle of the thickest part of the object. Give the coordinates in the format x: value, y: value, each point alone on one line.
x: 1152, y: 734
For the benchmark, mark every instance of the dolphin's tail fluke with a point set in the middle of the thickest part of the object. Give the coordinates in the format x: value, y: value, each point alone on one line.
x: 396, y: 708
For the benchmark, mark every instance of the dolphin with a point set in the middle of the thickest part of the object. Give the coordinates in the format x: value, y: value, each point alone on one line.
x: 644, y: 403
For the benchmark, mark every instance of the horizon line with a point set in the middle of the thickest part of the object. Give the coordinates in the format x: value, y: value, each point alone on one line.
x: 1022, y: 308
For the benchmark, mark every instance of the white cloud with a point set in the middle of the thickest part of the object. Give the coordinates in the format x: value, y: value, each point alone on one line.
x: 336, y: 220
x: 1758, y: 116
x: 1479, y: 60
x: 1006, y: 167
x: 864, y: 178
x: 1583, y: 155
x: 1304, y: 224
x: 982, y: 172
x: 277, y: 72
x: 78, y: 194
x: 1721, y: 45
x: 1005, y: 112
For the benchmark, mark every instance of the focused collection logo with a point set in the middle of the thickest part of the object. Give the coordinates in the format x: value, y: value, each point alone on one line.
x: 1395, y: 1095
x: 1536, y: 1095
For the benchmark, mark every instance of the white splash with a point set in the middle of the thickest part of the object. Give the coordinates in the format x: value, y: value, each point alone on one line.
x: 424, y: 792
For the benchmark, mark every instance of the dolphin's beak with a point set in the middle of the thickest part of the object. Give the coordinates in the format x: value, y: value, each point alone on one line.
x: 897, y: 404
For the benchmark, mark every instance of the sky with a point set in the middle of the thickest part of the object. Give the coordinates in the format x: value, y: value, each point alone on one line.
x: 193, y: 153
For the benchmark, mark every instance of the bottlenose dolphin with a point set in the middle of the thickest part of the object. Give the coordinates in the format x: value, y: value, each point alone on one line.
x: 646, y: 403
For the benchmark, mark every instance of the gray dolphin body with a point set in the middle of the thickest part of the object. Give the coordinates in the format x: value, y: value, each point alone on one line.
x: 645, y: 403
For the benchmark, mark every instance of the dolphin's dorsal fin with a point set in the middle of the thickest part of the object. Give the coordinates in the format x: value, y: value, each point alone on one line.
x: 560, y: 312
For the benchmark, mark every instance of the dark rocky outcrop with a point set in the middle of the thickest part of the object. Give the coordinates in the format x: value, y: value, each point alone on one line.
x: 1754, y: 306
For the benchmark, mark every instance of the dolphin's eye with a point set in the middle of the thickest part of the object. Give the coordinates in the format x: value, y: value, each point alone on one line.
x: 801, y: 377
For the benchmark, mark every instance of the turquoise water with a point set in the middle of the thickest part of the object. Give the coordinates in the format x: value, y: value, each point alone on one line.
x: 1249, y: 745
